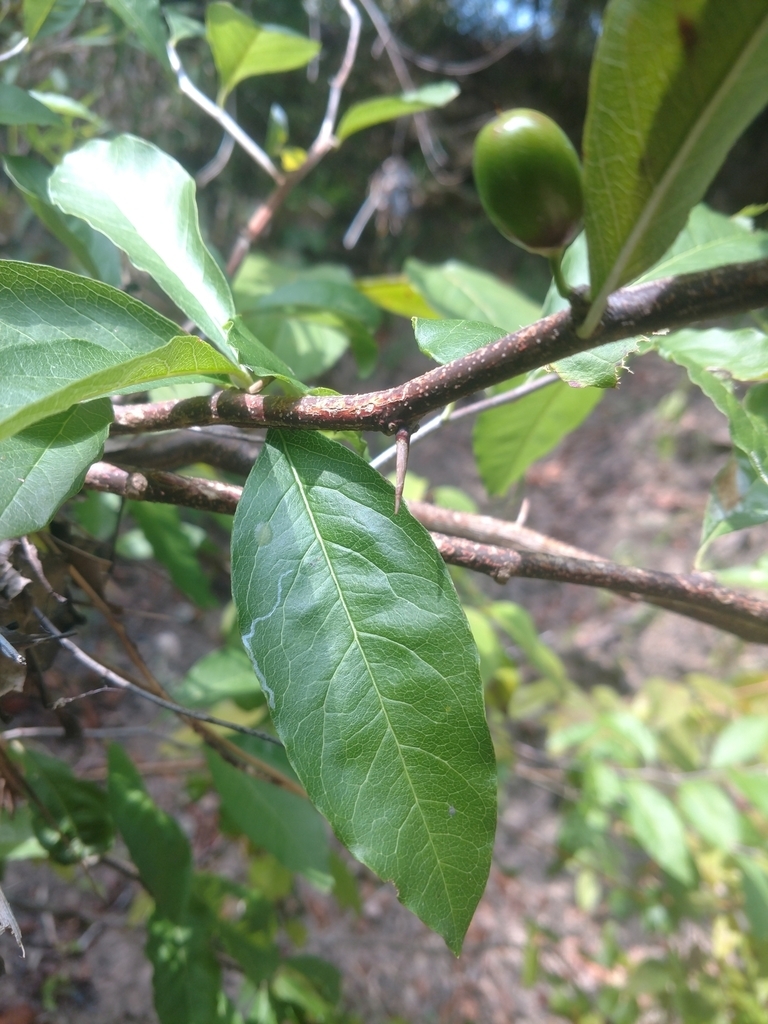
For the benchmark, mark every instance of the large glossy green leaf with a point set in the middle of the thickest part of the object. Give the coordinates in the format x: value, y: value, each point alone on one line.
x: 711, y: 812
x: 243, y: 48
x: 157, y: 846
x: 460, y: 292
x: 658, y: 829
x: 144, y: 201
x: 18, y: 107
x: 46, y: 463
x: 360, y: 645
x: 307, y: 346
x: 98, y: 256
x: 671, y: 89
x: 286, y: 825
x: 508, y: 439
x: 388, y: 108
x: 40, y: 379
x: 144, y: 18
x: 172, y: 547
x: 444, y: 340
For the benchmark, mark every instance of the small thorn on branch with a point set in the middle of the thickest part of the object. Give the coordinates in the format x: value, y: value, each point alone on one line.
x: 402, y: 450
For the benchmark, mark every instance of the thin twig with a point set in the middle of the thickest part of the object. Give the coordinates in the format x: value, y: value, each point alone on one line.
x: 323, y: 144
x: 112, y: 678
x: 453, y: 414
x: 434, y: 154
x: 253, y: 149
x: 208, y: 172
x: 15, y: 50
x: 638, y: 310
x: 229, y: 751
x: 461, y: 68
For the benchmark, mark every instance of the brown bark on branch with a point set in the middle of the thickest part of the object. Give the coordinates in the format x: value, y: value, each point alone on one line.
x: 642, y: 309
x: 696, y: 596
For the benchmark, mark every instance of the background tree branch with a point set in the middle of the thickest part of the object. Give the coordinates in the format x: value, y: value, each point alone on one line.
x: 696, y: 596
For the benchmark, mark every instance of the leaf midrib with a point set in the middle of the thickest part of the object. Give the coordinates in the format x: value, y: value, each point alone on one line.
x: 353, y: 627
x: 662, y: 188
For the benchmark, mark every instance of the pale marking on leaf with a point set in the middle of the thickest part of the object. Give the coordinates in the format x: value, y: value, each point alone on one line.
x: 249, y: 637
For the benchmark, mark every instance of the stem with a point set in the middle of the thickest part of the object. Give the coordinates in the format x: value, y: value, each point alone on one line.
x: 556, y: 265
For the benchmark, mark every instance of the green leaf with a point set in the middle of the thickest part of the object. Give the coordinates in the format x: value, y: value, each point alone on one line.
x: 261, y: 360
x: 243, y: 48
x: 658, y: 829
x: 307, y: 346
x: 395, y: 294
x: 18, y: 107
x: 144, y: 18
x: 599, y: 367
x: 225, y: 674
x: 360, y: 645
x: 34, y: 14
x: 711, y: 812
x: 77, y: 823
x: 307, y: 293
x: 741, y: 741
x: 46, y: 463
x: 161, y: 525
x: 181, y: 27
x: 669, y: 94
x: 754, y: 883
x: 741, y: 353
x: 520, y: 627
x: 144, y: 201
x: 40, y: 379
x: 283, y: 823
x: 738, y: 500
x: 309, y: 317
x: 98, y: 256
x: 708, y: 240
x: 157, y: 846
x: 337, y: 303
x: 508, y: 439
x: 389, y: 108
x: 42, y: 18
x: 749, y: 431
x: 754, y: 787
x: 444, y: 340
x: 187, y: 977
x: 461, y: 292
x: 631, y: 728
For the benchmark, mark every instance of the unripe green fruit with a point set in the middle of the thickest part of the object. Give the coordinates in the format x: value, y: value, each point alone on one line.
x: 529, y: 179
